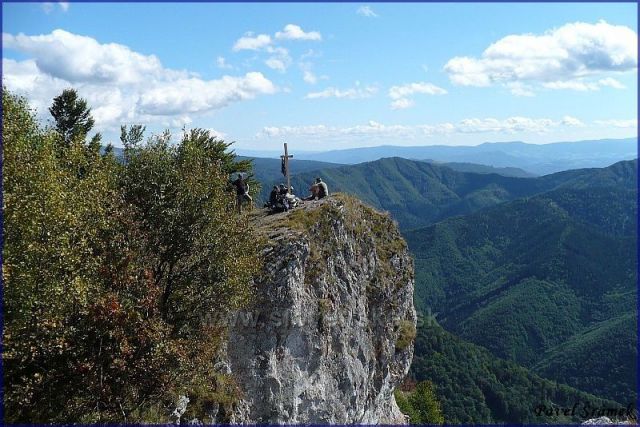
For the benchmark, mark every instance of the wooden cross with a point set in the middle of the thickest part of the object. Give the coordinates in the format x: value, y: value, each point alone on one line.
x: 286, y: 158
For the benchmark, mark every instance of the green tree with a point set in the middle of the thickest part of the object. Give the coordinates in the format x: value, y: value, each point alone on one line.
x: 421, y: 405
x: 72, y: 116
x: 116, y: 275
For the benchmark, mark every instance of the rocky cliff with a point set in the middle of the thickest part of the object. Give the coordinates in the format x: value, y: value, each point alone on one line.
x: 329, y: 334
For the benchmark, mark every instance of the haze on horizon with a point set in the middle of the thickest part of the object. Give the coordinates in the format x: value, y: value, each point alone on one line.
x: 332, y: 76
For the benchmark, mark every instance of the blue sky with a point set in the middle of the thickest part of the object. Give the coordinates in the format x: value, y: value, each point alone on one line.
x: 327, y: 76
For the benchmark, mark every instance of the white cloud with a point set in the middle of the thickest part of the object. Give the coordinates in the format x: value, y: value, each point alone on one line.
x: 309, y: 77
x: 402, y: 104
x: 323, y: 131
x: 572, y: 121
x: 64, y: 5
x: 276, y: 64
x: 510, y: 125
x: 351, y: 93
x: 366, y: 11
x: 611, y: 82
x: 218, y: 134
x: 294, y: 32
x: 279, y: 59
x: 630, y: 123
x: 559, y: 58
x: 397, y: 92
x: 121, y: 85
x: 249, y: 42
x: 77, y: 58
x: 194, y: 95
x: 400, y: 94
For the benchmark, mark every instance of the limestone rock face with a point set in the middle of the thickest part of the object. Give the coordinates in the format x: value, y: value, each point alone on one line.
x: 329, y: 333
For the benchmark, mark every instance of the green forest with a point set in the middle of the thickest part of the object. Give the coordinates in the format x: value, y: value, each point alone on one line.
x: 109, y: 265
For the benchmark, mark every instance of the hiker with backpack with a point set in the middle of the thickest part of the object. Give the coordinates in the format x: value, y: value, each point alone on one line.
x: 242, y: 192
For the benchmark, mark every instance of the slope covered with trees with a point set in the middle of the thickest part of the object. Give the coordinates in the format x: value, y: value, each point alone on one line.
x: 545, y: 281
x: 418, y: 193
x: 474, y: 386
x: 110, y: 268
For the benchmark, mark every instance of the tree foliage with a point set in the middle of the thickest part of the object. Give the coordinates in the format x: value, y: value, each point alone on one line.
x: 421, y: 404
x: 116, y: 273
x: 72, y: 116
x: 476, y: 387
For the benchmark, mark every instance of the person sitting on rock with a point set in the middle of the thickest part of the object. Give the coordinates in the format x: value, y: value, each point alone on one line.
x: 314, y: 192
x: 323, y: 190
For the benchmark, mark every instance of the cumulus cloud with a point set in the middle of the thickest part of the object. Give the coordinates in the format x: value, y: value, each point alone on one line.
x: 366, y: 11
x: 276, y: 64
x: 77, y: 58
x: 279, y: 59
x: 194, y: 95
x: 294, y: 32
x: 558, y: 59
x: 351, y: 93
x: 400, y: 94
x: 510, y: 125
x: 120, y: 84
x: 397, y: 92
x: 251, y: 42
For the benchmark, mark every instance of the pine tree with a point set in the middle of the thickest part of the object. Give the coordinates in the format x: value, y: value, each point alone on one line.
x: 72, y: 116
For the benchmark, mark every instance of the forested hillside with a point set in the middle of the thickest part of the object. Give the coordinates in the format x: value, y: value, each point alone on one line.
x: 419, y: 193
x: 544, y: 281
x: 476, y: 387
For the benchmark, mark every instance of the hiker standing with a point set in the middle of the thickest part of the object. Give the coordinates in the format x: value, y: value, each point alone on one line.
x: 242, y: 192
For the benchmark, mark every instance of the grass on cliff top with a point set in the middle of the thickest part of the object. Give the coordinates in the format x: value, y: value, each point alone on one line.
x: 316, y: 219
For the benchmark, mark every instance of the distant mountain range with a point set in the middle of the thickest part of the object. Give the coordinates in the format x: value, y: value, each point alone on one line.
x: 538, y: 159
x: 419, y: 193
x: 268, y: 172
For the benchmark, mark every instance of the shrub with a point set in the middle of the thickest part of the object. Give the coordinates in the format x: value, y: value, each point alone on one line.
x: 406, y: 334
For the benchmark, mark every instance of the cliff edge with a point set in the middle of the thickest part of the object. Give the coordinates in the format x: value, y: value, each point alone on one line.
x: 329, y: 334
